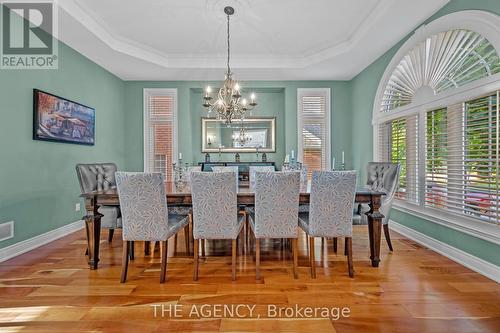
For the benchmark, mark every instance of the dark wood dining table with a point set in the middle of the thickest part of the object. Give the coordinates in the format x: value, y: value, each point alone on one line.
x: 180, y: 195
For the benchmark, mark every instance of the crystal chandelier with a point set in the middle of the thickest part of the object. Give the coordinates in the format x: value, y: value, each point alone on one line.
x: 241, y: 137
x: 229, y: 104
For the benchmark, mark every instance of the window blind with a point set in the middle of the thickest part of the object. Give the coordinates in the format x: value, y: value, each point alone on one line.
x: 462, y: 159
x: 398, y: 144
x: 159, y: 144
x: 314, y: 129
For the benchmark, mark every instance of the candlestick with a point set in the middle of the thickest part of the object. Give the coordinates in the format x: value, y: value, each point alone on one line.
x: 287, y: 158
x: 343, y: 157
x: 333, y: 163
x: 180, y: 156
x: 293, y: 154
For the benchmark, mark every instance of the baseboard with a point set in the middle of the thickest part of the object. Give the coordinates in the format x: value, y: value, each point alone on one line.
x: 478, y: 265
x: 24, y: 246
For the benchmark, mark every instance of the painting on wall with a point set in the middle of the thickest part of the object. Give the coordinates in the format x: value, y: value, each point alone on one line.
x: 61, y: 120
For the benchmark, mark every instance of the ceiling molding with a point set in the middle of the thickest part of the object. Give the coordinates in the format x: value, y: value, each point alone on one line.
x: 309, y: 60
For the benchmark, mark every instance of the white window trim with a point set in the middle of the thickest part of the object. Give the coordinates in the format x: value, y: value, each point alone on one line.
x: 486, y: 24
x: 328, y: 139
x: 147, y: 92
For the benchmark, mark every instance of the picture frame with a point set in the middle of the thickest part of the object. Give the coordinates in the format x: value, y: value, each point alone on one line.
x: 58, y: 119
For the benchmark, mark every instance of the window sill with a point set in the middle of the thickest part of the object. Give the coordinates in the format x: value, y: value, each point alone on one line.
x: 484, y: 230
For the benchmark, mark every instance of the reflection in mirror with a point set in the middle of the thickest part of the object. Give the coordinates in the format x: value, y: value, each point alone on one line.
x: 246, y: 136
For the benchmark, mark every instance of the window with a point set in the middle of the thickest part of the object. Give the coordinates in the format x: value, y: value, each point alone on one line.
x: 160, y: 133
x: 314, y: 128
x: 399, y: 138
x: 437, y: 115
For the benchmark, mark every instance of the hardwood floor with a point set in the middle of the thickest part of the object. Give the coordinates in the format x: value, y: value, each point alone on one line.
x: 51, y: 289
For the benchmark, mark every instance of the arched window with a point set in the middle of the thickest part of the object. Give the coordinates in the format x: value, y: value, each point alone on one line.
x: 437, y: 114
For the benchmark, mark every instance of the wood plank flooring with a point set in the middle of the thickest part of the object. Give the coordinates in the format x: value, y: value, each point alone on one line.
x: 51, y: 289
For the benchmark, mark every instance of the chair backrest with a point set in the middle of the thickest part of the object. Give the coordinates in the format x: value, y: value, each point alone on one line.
x: 276, y: 204
x: 383, y: 176
x: 190, y: 170
x: 331, y: 203
x: 214, y: 198
x: 143, y: 204
x: 302, y: 171
x: 260, y: 168
x: 96, y: 176
x: 233, y: 169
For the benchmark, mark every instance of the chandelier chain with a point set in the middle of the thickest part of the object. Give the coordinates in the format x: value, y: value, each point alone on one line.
x: 228, y: 46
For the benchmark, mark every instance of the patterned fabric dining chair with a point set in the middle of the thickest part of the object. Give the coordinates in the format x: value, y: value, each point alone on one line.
x: 384, y: 177
x: 276, y: 211
x: 190, y: 170
x: 215, y: 214
x: 330, y: 211
x: 260, y: 168
x: 145, y: 214
x: 231, y: 168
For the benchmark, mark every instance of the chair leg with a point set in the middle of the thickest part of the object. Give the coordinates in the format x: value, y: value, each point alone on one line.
x: 147, y: 248
x: 348, y: 241
x: 312, y: 259
x: 125, y: 257
x: 111, y: 232
x: 164, y: 253
x: 233, y: 250
x: 345, y: 248
x: 195, y: 252
x: 175, y: 243
x: 186, y: 238
x: 257, y: 258
x: 295, y: 258
x: 132, y: 250
x: 203, y: 248
x: 388, y: 236
x: 335, y: 244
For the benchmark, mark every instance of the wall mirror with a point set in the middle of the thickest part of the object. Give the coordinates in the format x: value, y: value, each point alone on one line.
x: 260, y: 133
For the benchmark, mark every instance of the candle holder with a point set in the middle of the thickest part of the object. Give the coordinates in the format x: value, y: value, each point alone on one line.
x: 343, y: 166
x: 180, y: 172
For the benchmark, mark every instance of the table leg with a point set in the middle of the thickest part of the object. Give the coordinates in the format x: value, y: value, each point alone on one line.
x: 375, y: 229
x: 93, y: 229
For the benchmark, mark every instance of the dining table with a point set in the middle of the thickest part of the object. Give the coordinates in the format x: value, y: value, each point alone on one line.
x: 179, y: 194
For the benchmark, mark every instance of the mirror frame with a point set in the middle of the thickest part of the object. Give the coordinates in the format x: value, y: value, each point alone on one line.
x: 206, y: 120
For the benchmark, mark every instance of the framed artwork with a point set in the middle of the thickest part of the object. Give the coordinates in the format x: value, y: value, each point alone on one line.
x: 58, y: 119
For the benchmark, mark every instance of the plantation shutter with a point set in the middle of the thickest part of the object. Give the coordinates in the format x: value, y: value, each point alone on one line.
x: 315, y: 129
x: 159, y: 138
x: 398, y: 144
x: 481, y: 164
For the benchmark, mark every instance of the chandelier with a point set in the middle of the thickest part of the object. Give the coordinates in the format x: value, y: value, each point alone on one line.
x: 229, y: 104
x: 241, y: 137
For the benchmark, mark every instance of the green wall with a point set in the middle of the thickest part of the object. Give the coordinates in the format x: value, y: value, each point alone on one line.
x: 364, y: 88
x: 38, y: 184
x: 275, y: 98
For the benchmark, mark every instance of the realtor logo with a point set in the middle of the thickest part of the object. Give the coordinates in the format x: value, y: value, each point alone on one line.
x: 28, y: 35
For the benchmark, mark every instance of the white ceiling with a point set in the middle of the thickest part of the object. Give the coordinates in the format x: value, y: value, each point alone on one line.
x: 270, y: 39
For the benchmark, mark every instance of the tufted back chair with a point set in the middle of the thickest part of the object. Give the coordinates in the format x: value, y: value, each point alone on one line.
x: 384, y: 176
x: 100, y: 177
x: 331, y: 204
x: 254, y: 169
x: 276, y: 204
x: 96, y: 176
x: 215, y: 214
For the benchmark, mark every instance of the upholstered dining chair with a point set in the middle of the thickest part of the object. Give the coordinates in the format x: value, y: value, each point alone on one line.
x: 303, y: 179
x: 145, y: 214
x: 330, y: 211
x: 231, y: 168
x: 101, y: 177
x: 384, y: 177
x: 215, y: 213
x: 258, y: 168
x: 190, y: 170
x: 276, y: 211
